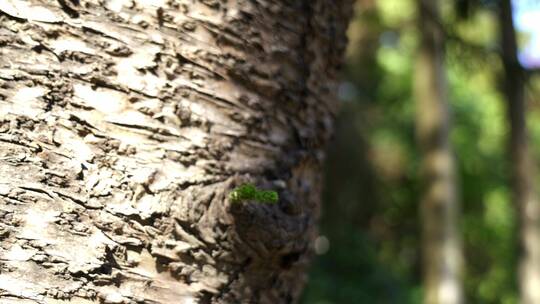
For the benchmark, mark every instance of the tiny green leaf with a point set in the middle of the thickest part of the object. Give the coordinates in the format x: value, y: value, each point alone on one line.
x: 250, y: 192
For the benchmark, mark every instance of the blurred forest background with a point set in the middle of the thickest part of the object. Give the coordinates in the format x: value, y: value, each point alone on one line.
x: 371, y: 216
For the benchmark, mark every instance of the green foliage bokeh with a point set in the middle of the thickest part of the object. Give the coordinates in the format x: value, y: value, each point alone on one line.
x: 370, y: 212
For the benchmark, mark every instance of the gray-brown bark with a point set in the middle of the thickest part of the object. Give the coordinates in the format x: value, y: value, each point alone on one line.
x: 441, y: 252
x: 524, y: 192
x: 124, y: 124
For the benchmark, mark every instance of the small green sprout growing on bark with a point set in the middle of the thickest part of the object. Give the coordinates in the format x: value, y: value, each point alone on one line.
x: 250, y: 192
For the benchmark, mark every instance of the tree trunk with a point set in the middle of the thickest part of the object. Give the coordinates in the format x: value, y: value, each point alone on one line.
x: 124, y: 125
x: 439, y: 206
x: 525, y: 196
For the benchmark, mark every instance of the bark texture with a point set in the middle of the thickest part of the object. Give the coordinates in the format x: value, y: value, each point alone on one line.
x: 442, y: 256
x: 525, y: 195
x: 124, y: 124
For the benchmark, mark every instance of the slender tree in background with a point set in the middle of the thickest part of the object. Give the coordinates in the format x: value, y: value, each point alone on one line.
x: 124, y: 125
x: 525, y: 195
x: 442, y: 257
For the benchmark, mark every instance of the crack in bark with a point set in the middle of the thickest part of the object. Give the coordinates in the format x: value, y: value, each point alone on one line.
x: 72, y: 12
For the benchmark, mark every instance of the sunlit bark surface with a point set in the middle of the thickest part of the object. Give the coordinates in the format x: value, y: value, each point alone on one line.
x: 124, y: 124
x: 442, y: 256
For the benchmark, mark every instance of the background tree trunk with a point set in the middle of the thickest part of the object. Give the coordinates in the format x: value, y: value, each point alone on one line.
x: 525, y: 196
x: 442, y: 257
x: 125, y: 124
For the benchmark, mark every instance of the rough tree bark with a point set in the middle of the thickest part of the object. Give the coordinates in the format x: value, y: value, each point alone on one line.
x: 442, y: 256
x: 524, y: 192
x: 124, y: 124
